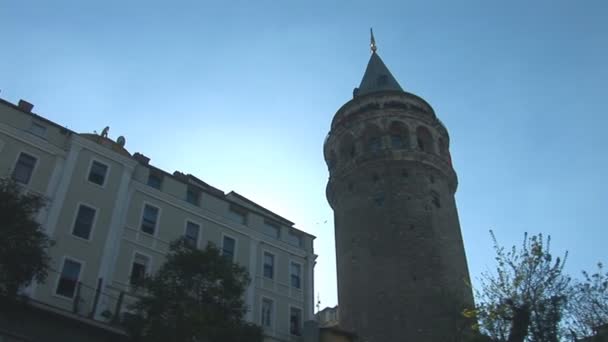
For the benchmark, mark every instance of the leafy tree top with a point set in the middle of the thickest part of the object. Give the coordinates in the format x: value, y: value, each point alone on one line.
x: 23, y: 243
x: 196, y: 295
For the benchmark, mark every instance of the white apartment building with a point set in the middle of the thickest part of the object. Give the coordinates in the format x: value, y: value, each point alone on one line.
x: 112, y: 215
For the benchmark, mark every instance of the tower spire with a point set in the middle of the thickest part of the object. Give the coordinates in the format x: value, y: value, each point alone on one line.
x: 372, y: 40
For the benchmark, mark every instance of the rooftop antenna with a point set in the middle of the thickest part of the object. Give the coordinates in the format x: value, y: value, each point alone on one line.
x: 372, y: 41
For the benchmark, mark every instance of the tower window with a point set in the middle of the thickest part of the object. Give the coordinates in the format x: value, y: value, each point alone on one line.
x: 375, y: 144
x: 404, y: 173
x: 424, y: 139
x: 399, y: 135
x: 435, y: 199
x: 379, y: 199
x: 396, y: 142
x: 375, y: 177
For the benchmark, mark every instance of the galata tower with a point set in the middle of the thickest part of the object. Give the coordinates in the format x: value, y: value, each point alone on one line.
x: 402, y: 269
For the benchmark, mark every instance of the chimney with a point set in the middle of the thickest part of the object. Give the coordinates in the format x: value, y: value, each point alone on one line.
x: 141, y: 158
x: 25, y: 106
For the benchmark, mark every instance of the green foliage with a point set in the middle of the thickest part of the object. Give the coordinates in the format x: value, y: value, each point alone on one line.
x: 588, y: 308
x: 195, y: 296
x: 525, y: 298
x: 23, y: 243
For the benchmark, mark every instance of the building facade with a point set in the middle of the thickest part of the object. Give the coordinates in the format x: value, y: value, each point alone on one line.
x: 113, y: 214
x: 402, y: 270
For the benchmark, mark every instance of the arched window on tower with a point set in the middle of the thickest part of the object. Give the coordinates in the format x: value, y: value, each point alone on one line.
x: 399, y: 135
x: 424, y: 139
x: 332, y: 160
x: 373, y: 140
x: 443, y: 149
x: 347, y: 148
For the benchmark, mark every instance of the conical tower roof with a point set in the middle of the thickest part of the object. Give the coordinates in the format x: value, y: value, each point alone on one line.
x: 377, y: 77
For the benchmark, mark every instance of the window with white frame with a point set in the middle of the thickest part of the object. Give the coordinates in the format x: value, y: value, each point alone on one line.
x: 267, y: 313
x: 295, y: 274
x: 149, y: 219
x: 271, y: 229
x: 192, y: 233
x: 68, y: 279
x: 98, y: 173
x: 22, y: 173
x: 83, y: 225
x: 228, y: 247
x: 295, y: 321
x: 139, y: 269
x: 269, y: 265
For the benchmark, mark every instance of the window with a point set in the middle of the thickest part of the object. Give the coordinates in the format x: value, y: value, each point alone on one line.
x: 375, y: 144
x: 267, y: 313
x: 38, y: 129
x: 149, y: 219
x: 268, y: 265
x: 379, y: 199
x: 139, y: 269
x: 294, y: 239
x: 191, y: 235
x: 424, y: 139
x: 68, y: 279
x: 193, y: 196
x: 84, y: 222
x: 271, y: 229
x: 97, y: 174
x: 295, y: 271
x: 396, y: 141
x: 228, y: 247
x: 238, y: 214
x: 24, y: 168
x: 435, y: 199
x: 155, y: 180
x: 295, y: 321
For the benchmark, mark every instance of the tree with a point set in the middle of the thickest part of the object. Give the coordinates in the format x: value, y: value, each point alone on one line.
x: 525, y: 298
x: 195, y: 296
x: 588, y: 308
x: 23, y: 243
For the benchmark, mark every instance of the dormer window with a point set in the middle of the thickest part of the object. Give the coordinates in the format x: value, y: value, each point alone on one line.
x: 38, y: 129
x: 193, y: 196
x: 238, y: 214
x: 155, y: 180
x: 271, y: 229
x: 294, y: 239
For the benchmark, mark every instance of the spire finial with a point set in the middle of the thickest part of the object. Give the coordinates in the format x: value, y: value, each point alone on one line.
x: 373, y: 41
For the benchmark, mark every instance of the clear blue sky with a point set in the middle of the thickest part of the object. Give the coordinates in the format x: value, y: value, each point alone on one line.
x: 241, y: 94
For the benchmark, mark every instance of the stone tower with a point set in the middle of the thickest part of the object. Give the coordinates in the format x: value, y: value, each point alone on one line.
x: 402, y: 270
